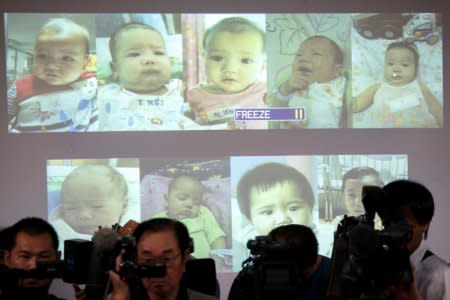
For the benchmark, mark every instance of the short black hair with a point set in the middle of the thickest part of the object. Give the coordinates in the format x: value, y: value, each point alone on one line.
x: 32, y: 226
x: 266, y: 176
x: 165, y: 224
x: 183, y: 176
x: 360, y: 172
x: 408, y: 194
x: 300, y: 239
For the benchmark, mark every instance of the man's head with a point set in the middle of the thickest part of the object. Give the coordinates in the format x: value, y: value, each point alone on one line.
x: 139, y: 58
x: 318, y: 59
x: 184, y: 196
x: 61, y: 52
x: 352, y: 184
x: 29, y: 241
x: 93, y: 196
x: 301, y: 241
x: 165, y: 241
x: 275, y: 194
x: 414, y: 203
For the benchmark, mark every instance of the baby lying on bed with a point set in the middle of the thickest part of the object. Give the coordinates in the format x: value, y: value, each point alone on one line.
x: 183, y: 199
x: 401, y: 101
x: 91, y: 196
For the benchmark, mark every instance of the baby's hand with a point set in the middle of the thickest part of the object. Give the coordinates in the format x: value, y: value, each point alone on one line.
x: 296, y: 82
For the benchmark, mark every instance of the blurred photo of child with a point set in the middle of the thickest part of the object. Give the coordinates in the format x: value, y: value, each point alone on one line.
x: 274, y: 194
x: 60, y: 94
x: 234, y: 54
x: 401, y: 101
x: 92, y: 196
x: 316, y: 84
x: 184, y: 200
x: 143, y: 96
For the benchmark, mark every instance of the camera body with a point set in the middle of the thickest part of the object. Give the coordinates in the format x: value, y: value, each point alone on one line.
x: 85, y: 262
x: 365, y: 261
x: 271, y: 271
x: 129, y: 269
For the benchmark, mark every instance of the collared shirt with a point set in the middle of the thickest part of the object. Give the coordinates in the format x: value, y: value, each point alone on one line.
x: 432, y: 274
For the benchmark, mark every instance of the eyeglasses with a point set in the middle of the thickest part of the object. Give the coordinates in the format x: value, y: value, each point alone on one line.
x: 167, y: 260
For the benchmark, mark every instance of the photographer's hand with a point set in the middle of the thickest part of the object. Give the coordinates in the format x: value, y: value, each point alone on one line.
x: 407, y: 291
x: 80, y: 293
x: 119, y: 287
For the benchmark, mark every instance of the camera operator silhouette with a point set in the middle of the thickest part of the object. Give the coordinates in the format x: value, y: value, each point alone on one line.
x: 292, y: 251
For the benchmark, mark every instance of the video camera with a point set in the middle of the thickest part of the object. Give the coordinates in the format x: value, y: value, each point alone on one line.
x: 365, y: 261
x: 271, y: 271
x: 129, y: 269
x: 87, y: 262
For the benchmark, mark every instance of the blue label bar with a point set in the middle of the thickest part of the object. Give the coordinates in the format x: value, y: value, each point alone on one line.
x: 271, y: 114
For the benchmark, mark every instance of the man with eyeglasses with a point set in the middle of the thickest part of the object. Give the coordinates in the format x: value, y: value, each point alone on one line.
x: 164, y: 241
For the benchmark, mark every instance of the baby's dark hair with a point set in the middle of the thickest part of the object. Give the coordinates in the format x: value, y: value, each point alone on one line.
x: 233, y: 25
x: 267, y: 175
x: 122, y: 28
x: 409, y: 45
x: 177, y: 178
x: 117, y: 180
x: 360, y: 172
x: 338, y: 54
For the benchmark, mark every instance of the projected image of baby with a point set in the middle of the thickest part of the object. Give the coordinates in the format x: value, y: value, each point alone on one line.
x: 91, y: 196
x: 351, y: 189
x: 275, y: 194
x: 352, y: 185
x: 316, y: 84
x: 184, y: 200
x: 59, y: 95
x: 401, y: 100
x: 143, y: 96
x: 234, y: 54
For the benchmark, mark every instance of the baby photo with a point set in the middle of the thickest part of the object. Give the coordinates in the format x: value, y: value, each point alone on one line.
x: 51, y: 73
x: 397, y: 71
x: 197, y: 193
x: 84, y: 195
x: 141, y: 73
x: 230, y: 68
x: 269, y: 192
x: 340, y: 183
x: 307, y: 68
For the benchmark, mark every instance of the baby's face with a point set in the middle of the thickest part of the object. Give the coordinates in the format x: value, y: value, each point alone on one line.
x: 399, y: 66
x: 184, y: 198
x: 90, y: 201
x: 141, y: 64
x: 315, y: 61
x: 279, y: 205
x: 60, y: 61
x: 233, y: 61
x: 353, y: 193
